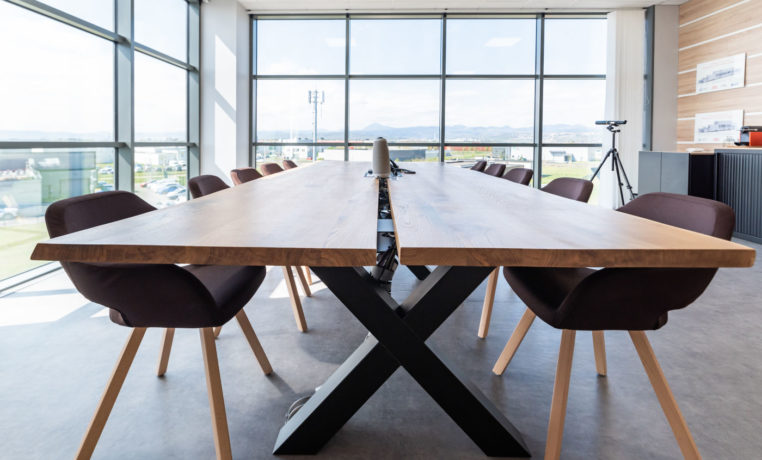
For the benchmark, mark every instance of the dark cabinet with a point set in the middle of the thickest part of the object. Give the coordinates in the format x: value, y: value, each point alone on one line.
x: 685, y: 173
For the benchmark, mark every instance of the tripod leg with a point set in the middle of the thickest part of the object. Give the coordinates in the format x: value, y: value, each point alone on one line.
x: 626, y: 179
x: 603, y: 162
x: 615, y: 165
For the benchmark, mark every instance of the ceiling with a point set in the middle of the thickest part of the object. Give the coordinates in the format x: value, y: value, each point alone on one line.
x: 316, y: 6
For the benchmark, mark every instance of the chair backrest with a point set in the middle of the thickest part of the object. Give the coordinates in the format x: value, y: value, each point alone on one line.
x: 640, y: 298
x: 479, y: 166
x: 495, y: 169
x: 571, y: 188
x: 519, y: 175
x: 241, y: 175
x: 270, y: 168
x: 689, y: 212
x: 124, y: 288
x: 205, y: 184
x: 288, y: 164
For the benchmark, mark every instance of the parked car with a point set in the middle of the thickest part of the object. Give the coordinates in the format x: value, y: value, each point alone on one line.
x: 158, y: 184
x: 106, y: 170
x: 168, y: 188
x: 8, y: 213
x: 177, y: 193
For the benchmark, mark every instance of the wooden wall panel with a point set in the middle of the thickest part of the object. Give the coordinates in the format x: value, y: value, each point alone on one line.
x: 749, y: 42
x: 714, y: 29
x: 736, y: 18
x: 690, y: 11
x: 747, y: 99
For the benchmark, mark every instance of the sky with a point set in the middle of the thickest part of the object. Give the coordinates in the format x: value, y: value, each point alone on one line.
x: 59, y: 79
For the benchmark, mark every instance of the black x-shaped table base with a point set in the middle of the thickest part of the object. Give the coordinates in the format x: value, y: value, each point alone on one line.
x: 398, y: 339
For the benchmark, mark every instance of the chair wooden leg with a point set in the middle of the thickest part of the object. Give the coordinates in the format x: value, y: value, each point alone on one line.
x: 303, y: 280
x: 166, y: 347
x: 665, y: 396
x: 217, y: 331
x: 256, y: 347
x: 216, y: 400
x: 599, y: 347
x: 87, y: 446
x: 560, y: 396
x: 489, y: 299
x: 296, y: 303
x: 308, y: 273
x: 513, y: 343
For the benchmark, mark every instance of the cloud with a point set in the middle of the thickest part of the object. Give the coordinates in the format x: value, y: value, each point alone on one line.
x: 502, y: 42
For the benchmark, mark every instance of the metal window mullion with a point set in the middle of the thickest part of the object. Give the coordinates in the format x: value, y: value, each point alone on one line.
x: 148, y: 51
x: 193, y: 88
x: 347, y: 42
x: 253, y: 92
x: 442, y: 95
x: 124, y: 108
x: 66, y: 18
x: 539, y: 66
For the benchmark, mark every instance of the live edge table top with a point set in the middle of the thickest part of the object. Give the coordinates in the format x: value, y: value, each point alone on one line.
x: 326, y: 215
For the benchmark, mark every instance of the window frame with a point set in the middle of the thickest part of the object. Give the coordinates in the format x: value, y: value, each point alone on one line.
x: 125, y: 49
x: 539, y: 77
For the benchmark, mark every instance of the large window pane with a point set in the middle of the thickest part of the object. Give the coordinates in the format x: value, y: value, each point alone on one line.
x: 395, y: 46
x: 160, y: 101
x: 575, y: 46
x: 32, y: 179
x: 399, y: 110
x: 297, y: 153
x: 512, y: 157
x: 571, y: 108
x: 397, y: 153
x: 489, y: 111
x: 99, y: 12
x: 301, y: 47
x: 163, y: 26
x: 161, y: 175
x: 490, y: 46
x: 56, y: 82
x: 287, y: 110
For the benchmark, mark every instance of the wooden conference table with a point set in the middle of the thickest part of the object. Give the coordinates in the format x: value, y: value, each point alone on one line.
x: 326, y: 216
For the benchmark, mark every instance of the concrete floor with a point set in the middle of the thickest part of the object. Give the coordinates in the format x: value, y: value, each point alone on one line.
x: 57, y: 351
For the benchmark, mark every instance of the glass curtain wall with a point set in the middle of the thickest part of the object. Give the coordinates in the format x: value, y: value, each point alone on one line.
x: 86, y: 107
x: 517, y: 89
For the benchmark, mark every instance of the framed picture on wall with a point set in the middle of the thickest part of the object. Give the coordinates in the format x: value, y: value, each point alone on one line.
x: 717, y: 127
x: 725, y: 73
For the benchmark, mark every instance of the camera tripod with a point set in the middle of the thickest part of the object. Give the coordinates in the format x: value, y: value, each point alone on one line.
x: 616, y: 162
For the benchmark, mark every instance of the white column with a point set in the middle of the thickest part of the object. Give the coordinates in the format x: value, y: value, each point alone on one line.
x: 624, y: 97
x: 225, y: 74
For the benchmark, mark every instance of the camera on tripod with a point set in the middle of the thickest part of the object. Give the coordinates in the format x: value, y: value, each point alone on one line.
x: 616, y: 162
x: 611, y: 124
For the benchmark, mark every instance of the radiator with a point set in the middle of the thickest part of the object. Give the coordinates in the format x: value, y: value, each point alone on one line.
x: 739, y: 185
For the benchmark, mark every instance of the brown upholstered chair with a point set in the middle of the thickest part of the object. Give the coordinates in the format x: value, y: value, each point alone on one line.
x: 519, y: 175
x: 567, y: 187
x: 203, y: 185
x: 270, y: 168
x: 495, y: 169
x: 241, y: 175
x: 140, y: 296
x: 288, y: 164
x: 631, y: 299
x: 479, y: 166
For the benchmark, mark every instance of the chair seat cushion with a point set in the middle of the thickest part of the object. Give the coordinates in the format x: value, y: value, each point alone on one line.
x: 231, y: 287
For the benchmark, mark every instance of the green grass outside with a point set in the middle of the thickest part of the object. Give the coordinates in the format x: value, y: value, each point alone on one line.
x: 16, y: 245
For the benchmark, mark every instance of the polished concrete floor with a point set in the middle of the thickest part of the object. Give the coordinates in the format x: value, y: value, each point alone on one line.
x: 57, y: 351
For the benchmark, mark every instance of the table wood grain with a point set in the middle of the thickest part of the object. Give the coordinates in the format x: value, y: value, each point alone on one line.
x: 446, y: 215
x: 322, y: 215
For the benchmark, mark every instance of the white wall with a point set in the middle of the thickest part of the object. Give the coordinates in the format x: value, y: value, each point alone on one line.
x: 666, y: 23
x: 625, y: 68
x: 224, y: 87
